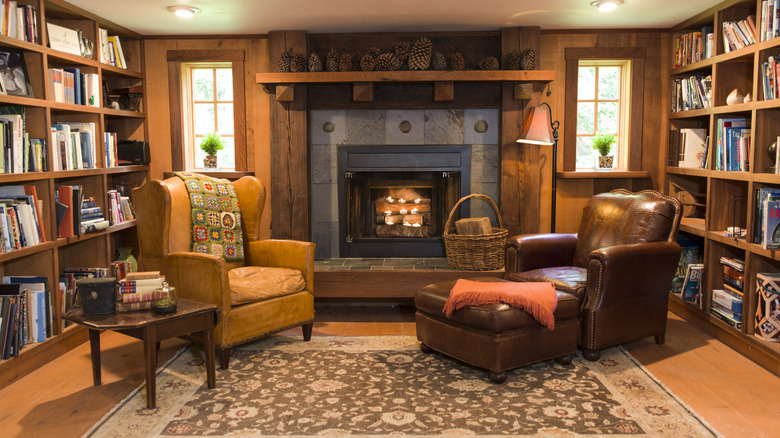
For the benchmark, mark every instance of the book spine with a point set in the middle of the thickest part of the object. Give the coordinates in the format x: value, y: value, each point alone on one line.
x: 144, y: 296
x: 132, y: 307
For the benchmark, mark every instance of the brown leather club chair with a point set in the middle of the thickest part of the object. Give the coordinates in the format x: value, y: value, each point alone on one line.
x: 619, y: 265
x: 163, y: 219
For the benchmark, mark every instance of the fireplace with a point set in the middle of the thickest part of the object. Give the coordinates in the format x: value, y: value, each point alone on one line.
x: 394, y: 200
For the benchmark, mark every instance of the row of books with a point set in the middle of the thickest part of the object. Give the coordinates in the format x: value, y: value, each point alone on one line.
x: 26, y: 313
x: 694, y: 46
x: 691, y: 93
x: 110, y: 50
x: 732, y: 145
x: 688, y: 147
x: 770, y: 72
x: 20, y: 153
x: 120, y: 208
x: 739, y: 34
x: 770, y: 19
x: 19, y: 21
x: 726, y: 303
x: 76, y: 145
x: 21, y: 223
x: 70, y: 85
x: 767, y: 217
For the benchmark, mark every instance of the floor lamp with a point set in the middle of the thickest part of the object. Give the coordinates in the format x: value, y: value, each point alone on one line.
x: 540, y: 129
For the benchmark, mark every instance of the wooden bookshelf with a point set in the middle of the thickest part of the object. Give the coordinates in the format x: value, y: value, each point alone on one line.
x: 48, y: 259
x: 730, y: 195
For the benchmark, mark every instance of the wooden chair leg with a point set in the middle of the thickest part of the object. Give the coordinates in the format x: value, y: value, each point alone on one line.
x: 660, y: 339
x: 224, y: 357
x: 307, y: 328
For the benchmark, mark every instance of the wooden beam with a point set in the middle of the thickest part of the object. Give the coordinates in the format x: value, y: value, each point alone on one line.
x: 363, y: 92
x: 444, y: 91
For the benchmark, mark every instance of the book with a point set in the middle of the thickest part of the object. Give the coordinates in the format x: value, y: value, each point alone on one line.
x: 132, y: 307
x: 771, y: 223
x: 692, y: 284
x: 145, y: 296
x: 726, y: 317
x: 727, y: 301
x: 142, y: 275
x: 693, y: 143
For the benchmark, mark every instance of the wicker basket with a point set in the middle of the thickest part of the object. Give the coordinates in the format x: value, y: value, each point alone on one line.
x: 482, y: 252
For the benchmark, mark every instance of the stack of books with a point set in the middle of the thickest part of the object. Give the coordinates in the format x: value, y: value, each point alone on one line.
x: 139, y: 291
x: 92, y: 217
x: 727, y: 302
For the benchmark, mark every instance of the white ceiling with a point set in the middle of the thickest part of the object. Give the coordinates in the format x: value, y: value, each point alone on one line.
x: 219, y: 17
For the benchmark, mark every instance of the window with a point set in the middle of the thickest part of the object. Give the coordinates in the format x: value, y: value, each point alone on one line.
x: 208, y: 107
x: 602, y: 108
x: 604, y: 93
x: 207, y: 94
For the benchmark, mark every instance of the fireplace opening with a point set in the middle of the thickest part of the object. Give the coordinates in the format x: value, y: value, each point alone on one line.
x: 395, y: 200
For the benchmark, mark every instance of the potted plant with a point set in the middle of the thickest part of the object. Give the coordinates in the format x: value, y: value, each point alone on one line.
x: 603, y: 144
x: 210, y: 144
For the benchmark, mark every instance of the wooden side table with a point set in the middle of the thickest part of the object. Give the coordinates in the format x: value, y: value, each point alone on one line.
x: 146, y: 325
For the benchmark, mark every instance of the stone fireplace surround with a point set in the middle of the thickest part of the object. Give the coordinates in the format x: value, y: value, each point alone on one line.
x: 330, y: 129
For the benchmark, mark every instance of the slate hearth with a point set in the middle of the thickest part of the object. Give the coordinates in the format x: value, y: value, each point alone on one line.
x: 382, y: 264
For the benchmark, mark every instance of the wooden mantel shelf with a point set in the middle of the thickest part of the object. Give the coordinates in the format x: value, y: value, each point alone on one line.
x: 407, y: 76
x: 363, y: 81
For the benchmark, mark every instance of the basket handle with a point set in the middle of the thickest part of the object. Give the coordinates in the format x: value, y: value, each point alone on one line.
x: 473, y: 195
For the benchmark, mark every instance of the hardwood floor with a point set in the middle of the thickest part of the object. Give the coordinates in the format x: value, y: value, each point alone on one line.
x: 736, y: 396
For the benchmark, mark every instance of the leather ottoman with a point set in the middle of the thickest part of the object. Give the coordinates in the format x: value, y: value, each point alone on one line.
x: 496, y: 337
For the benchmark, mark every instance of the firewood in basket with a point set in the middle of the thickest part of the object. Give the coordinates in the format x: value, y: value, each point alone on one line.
x: 473, y: 226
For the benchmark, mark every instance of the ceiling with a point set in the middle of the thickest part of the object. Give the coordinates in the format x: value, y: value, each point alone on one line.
x: 220, y: 17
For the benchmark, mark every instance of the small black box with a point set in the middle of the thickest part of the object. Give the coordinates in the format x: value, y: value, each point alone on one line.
x: 97, y: 295
x: 133, y: 152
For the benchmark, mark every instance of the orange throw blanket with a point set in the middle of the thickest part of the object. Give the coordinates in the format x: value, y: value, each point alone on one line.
x: 538, y: 299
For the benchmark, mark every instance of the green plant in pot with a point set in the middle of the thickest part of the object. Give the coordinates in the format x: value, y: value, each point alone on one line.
x: 603, y: 145
x: 210, y: 145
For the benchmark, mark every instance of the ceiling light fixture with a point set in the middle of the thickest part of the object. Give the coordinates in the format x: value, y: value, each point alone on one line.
x: 606, y: 5
x: 183, y: 11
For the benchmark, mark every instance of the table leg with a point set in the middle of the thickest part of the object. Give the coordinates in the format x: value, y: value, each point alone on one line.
x: 94, y: 349
x: 208, y: 336
x: 150, y: 358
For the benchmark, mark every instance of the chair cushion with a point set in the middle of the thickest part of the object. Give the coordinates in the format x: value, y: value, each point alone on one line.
x: 254, y: 283
x: 569, y: 279
x: 621, y: 217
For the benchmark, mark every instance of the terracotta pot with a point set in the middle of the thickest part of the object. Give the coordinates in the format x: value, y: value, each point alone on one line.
x: 210, y: 162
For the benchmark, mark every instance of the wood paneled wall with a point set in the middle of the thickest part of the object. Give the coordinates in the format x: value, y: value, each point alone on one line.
x: 256, y: 104
x: 573, y: 194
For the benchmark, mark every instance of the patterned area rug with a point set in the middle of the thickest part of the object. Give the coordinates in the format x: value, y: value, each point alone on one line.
x: 379, y: 386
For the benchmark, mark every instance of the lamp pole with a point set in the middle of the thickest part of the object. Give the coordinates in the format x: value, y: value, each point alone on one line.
x: 554, y: 125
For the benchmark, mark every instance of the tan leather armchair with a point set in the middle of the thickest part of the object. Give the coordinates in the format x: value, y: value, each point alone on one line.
x: 164, y: 226
x: 619, y: 265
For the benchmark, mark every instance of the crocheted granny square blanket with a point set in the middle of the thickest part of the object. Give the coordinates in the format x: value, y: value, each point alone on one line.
x: 216, y: 216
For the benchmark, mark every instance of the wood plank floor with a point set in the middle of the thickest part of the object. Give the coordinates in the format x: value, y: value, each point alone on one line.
x: 736, y: 396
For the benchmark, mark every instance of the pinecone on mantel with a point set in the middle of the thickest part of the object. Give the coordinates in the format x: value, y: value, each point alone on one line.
x: 367, y: 62
x: 457, y: 62
x: 387, y: 62
x: 315, y: 62
x: 401, y: 51
x: 298, y: 63
x: 528, y: 61
x: 438, y: 61
x: 332, y: 60
x: 513, y: 60
x: 346, y: 62
x: 285, y: 61
x: 420, y: 55
x: 489, y: 63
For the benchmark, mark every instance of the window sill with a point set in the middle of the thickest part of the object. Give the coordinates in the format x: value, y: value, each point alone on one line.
x: 226, y: 174
x: 604, y: 174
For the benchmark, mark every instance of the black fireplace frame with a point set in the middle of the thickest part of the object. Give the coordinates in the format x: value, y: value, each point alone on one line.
x: 398, y: 158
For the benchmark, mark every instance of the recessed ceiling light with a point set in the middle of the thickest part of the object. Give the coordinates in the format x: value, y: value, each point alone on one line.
x: 183, y: 11
x: 606, y: 5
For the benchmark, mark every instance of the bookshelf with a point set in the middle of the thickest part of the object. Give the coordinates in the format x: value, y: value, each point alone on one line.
x: 41, y: 111
x: 730, y: 195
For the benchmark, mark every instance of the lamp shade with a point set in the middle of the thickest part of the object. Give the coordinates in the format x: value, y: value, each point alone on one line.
x: 537, y: 128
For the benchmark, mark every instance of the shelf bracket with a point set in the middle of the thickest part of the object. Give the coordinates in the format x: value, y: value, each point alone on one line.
x: 523, y: 90
x: 285, y: 93
x: 444, y: 91
x: 363, y: 92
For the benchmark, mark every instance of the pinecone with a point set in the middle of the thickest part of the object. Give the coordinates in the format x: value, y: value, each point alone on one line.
x: 529, y: 60
x: 387, y: 62
x: 298, y: 63
x: 315, y: 63
x: 438, y: 61
x: 346, y: 62
x: 489, y: 63
x: 401, y: 51
x: 373, y: 51
x: 420, y: 55
x: 513, y: 60
x: 457, y: 62
x: 285, y: 61
x: 332, y: 61
x: 367, y: 63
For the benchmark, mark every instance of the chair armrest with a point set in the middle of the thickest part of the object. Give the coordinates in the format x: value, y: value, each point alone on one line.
x: 210, y: 285
x: 533, y: 251
x: 626, y: 272
x: 291, y: 254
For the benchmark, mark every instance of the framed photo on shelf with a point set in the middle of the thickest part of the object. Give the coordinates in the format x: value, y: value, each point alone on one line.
x: 13, y: 74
